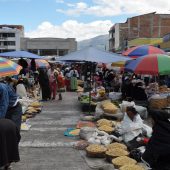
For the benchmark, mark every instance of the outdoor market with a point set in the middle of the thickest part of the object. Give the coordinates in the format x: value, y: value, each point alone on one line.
x: 124, y: 100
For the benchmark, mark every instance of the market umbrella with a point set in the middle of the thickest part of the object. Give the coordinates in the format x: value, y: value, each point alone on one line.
x: 142, y: 50
x: 8, y: 67
x: 154, y: 64
x: 118, y: 64
x: 40, y: 63
x: 20, y: 54
x: 91, y: 54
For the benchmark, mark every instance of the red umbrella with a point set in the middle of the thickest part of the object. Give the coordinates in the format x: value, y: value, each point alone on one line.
x: 139, y: 51
x: 154, y: 64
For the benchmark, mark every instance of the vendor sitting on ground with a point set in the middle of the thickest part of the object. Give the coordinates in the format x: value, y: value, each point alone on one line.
x: 131, y: 127
x: 139, y: 91
x: 99, y: 90
x: 157, y: 153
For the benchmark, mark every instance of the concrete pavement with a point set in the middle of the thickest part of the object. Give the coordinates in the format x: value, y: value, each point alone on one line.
x: 44, y: 147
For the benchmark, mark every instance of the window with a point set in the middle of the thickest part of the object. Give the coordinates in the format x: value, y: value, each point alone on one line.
x: 5, y: 35
x: 11, y: 34
x: 9, y: 43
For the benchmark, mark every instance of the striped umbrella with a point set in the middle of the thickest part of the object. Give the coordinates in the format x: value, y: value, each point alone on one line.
x: 142, y: 50
x: 8, y: 67
x: 42, y: 63
x: 154, y: 64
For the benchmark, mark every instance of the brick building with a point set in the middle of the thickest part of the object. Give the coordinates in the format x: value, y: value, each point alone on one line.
x: 143, y: 29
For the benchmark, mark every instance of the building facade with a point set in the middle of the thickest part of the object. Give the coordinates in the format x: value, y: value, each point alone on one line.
x: 10, y: 36
x: 49, y: 46
x: 143, y: 29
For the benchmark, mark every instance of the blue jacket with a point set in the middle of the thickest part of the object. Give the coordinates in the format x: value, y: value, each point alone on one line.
x: 8, y: 98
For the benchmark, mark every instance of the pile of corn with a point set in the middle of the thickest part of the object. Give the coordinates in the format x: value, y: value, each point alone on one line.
x: 109, y: 107
x: 102, y: 122
x: 116, y: 145
x: 131, y: 167
x: 123, y: 160
x: 106, y: 129
x: 36, y: 104
x: 116, y: 152
x: 96, y: 148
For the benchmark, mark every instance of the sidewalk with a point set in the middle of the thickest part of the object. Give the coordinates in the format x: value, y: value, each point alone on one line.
x: 44, y: 147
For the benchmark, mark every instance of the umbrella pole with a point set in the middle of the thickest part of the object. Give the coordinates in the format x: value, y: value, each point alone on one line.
x: 90, y: 88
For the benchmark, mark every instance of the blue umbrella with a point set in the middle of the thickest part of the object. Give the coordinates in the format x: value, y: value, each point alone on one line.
x: 92, y: 54
x: 19, y: 54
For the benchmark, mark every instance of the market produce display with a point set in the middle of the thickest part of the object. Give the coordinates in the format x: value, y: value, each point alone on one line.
x: 30, y: 108
x: 101, y: 92
x: 106, y: 128
x: 158, y: 102
x: 123, y: 160
x: 116, y: 152
x: 116, y: 145
x: 164, y: 89
x: 106, y: 122
x: 109, y: 107
x: 35, y: 104
x: 95, y: 148
x: 80, y: 89
x: 96, y: 151
x: 131, y: 167
x: 86, y: 100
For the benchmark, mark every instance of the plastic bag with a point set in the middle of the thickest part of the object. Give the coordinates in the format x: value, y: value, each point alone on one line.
x: 86, y: 132
x: 126, y: 104
x: 98, y: 111
x: 81, y: 145
x: 21, y: 91
x: 148, y: 130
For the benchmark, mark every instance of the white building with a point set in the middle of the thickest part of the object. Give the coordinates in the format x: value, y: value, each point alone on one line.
x: 49, y: 46
x: 10, y: 37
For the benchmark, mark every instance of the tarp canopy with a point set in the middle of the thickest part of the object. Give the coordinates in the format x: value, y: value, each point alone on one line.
x: 92, y: 54
x: 19, y: 54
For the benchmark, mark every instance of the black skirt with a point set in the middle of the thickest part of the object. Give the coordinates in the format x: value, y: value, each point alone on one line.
x: 9, y: 140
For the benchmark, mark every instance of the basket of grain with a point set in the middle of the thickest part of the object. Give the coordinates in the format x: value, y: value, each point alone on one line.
x: 123, y: 160
x: 116, y: 145
x: 114, y: 153
x: 96, y: 151
x: 132, y: 167
x: 158, y: 102
x: 106, y: 129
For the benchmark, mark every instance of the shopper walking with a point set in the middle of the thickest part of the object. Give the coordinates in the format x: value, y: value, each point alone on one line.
x: 9, y: 140
x: 52, y: 81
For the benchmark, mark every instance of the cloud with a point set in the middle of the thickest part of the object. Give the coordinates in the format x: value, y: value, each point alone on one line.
x: 103, y: 8
x: 71, y: 29
x: 60, y: 1
x: 75, y: 9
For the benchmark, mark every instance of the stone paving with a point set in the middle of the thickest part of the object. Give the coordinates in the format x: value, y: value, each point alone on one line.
x: 44, y: 147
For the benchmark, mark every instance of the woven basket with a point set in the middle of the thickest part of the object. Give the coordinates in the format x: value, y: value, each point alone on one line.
x: 95, y: 154
x: 109, y: 158
x: 158, y: 103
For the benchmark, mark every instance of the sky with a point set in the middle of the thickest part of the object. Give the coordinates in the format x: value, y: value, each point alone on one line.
x: 74, y: 18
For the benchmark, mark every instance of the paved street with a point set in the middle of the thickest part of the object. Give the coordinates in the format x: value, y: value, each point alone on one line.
x: 44, y: 147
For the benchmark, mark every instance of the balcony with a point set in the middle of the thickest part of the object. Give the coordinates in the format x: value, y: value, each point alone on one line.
x: 3, y: 47
x: 3, y: 38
